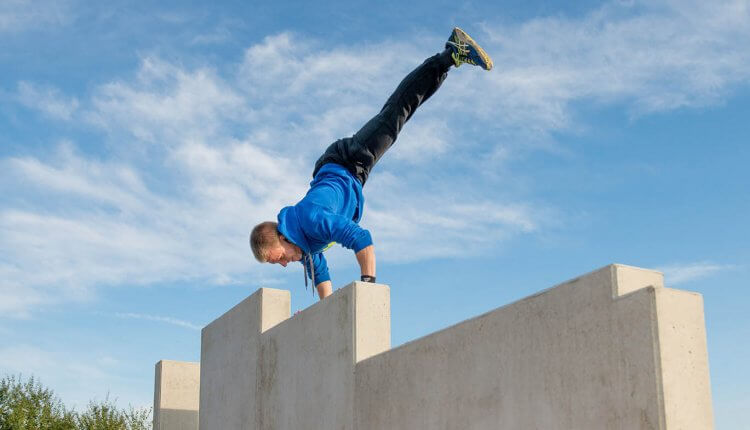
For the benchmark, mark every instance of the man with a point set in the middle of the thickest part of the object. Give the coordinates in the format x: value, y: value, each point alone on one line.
x: 332, y: 208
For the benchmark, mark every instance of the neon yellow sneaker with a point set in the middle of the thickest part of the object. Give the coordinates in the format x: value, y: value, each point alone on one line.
x: 466, y: 50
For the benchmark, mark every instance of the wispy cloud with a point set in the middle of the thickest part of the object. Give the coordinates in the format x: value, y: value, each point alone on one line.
x: 647, y: 56
x: 166, y: 103
x: 676, y: 274
x: 220, y: 34
x: 47, y: 100
x: 441, y: 221
x: 98, y: 223
x: 18, y: 15
x: 156, y: 318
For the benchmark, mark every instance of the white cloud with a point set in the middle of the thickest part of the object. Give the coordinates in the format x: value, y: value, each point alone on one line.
x: 97, y: 223
x: 17, y: 298
x: 416, y: 218
x: 218, y: 35
x: 647, y: 56
x: 166, y: 103
x: 423, y: 141
x: 292, y: 67
x: 167, y: 320
x: 47, y: 100
x: 676, y: 274
x: 19, y: 15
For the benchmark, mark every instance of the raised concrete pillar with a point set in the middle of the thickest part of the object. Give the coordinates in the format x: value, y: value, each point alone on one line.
x: 176, y: 391
x: 230, y: 347
x: 307, y: 362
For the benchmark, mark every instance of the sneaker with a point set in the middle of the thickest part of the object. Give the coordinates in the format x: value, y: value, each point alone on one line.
x: 466, y: 50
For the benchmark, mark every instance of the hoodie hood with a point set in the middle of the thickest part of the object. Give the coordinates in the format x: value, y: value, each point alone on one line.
x: 289, y: 226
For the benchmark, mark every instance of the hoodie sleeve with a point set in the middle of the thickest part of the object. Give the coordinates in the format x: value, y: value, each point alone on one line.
x: 320, y: 266
x: 327, y: 226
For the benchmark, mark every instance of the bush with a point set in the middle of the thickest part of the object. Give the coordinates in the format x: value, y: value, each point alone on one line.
x: 30, y: 406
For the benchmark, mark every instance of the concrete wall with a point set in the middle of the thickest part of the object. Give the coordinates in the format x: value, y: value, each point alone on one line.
x: 176, y: 391
x: 612, y: 349
x: 264, y: 370
x: 609, y: 350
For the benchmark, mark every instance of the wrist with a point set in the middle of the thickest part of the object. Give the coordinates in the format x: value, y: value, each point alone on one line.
x: 367, y: 278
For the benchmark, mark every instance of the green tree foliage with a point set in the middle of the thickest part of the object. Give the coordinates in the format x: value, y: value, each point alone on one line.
x: 101, y: 416
x: 29, y: 406
x: 138, y: 419
x: 106, y: 416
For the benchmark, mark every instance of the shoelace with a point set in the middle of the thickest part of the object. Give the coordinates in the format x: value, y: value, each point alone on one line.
x: 461, y: 47
x: 461, y: 54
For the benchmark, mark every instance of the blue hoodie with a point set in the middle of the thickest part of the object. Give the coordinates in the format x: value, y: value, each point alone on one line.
x: 328, y: 213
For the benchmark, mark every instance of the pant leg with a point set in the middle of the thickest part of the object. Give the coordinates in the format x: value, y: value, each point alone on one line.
x: 362, y: 151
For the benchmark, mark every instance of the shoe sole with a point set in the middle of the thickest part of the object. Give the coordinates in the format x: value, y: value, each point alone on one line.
x: 482, y: 54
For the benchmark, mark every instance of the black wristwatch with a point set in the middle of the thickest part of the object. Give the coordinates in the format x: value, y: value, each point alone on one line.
x: 367, y: 278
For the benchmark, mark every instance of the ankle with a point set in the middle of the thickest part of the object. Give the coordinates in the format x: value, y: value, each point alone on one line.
x: 446, y: 58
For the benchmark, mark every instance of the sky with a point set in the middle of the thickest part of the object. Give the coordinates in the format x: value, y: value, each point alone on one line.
x: 141, y: 142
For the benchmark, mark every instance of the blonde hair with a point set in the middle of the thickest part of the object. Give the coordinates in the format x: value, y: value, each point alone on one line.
x: 264, y: 236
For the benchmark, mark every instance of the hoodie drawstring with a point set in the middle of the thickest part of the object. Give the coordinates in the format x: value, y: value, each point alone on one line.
x: 312, y: 271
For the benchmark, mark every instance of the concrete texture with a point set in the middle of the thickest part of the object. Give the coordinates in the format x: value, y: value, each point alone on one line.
x: 176, y: 392
x: 612, y: 349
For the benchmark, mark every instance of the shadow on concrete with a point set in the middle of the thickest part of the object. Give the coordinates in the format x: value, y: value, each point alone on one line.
x: 176, y: 419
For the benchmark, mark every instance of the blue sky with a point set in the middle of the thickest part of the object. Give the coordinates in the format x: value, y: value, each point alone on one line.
x: 141, y: 142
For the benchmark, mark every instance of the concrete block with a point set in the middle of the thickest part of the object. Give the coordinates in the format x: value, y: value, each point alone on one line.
x: 627, y: 279
x: 230, y: 347
x: 307, y: 362
x: 176, y: 392
x: 590, y: 353
x: 683, y: 359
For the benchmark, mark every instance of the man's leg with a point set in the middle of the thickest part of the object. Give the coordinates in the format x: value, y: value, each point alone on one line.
x: 360, y: 152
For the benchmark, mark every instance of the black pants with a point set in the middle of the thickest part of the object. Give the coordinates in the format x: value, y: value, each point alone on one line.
x: 360, y: 152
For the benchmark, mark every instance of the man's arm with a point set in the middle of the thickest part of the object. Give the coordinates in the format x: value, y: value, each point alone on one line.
x: 326, y: 226
x: 325, y: 289
x: 366, y: 260
x: 321, y: 276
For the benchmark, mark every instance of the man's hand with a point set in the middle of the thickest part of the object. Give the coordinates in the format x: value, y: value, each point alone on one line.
x: 366, y: 260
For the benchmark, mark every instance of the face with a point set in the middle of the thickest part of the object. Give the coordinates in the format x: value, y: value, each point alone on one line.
x: 284, y: 253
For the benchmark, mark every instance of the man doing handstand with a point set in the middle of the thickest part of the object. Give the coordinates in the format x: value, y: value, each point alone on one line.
x: 331, y: 209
